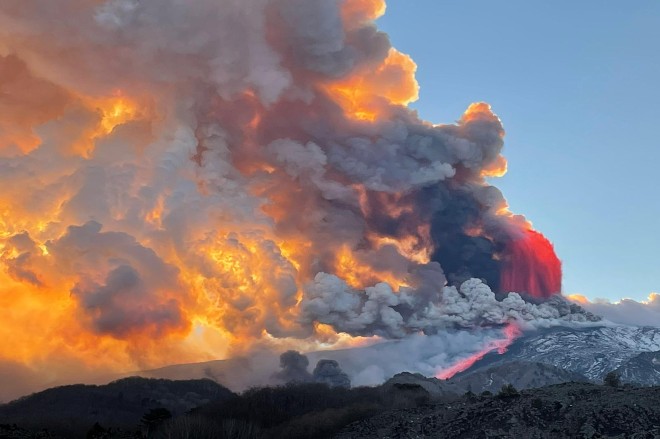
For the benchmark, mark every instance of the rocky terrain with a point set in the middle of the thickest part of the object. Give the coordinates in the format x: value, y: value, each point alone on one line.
x: 570, y: 410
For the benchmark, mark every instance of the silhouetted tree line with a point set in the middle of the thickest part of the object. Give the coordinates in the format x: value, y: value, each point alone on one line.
x: 140, y: 408
x: 307, y: 410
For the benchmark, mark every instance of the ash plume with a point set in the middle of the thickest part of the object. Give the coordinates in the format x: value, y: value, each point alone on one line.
x: 294, y: 368
x: 329, y: 372
x: 191, y: 180
x: 379, y: 310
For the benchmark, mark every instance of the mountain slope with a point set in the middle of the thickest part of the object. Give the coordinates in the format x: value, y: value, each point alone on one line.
x: 643, y: 369
x: 520, y: 374
x: 592, y: 352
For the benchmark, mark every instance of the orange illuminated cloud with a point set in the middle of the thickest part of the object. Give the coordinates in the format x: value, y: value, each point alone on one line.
x: 497, y: 168
x: 115, y: 111
x: 478, y: 111
x: 26, y: 102
x: 359, y: 274
x: 369, y: 94
x: 578, y: 298
x: 359, y: 11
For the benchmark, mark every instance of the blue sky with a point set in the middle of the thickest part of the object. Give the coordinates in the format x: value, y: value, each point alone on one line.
x: 577, y: 86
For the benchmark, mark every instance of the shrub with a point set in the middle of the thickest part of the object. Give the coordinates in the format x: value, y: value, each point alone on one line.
x: 198, y: 427
x: 96, y: 432
x: 324, y: 423
x: 508, y: 391
x: 404, y: 395
x: 612, y: 379
x: 271, y: 406
x: 154, y: 418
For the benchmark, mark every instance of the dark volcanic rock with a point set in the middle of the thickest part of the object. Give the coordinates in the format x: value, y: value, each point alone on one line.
x: 570, y: 410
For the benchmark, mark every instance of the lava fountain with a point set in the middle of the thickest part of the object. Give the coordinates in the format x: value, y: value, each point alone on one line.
x: 530, y: 265
x: 511, y: 333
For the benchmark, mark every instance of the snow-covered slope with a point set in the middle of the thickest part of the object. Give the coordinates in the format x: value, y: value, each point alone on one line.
x: 591, y: 352
x: 521, y: 374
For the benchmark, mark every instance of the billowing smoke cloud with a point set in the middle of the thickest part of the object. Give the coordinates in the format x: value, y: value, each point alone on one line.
x: 186, y: 181
x: 138, y: 291
x: 379, y: 310
x: 294, y: 368
x: 625, y: 311
x: 329, y: 372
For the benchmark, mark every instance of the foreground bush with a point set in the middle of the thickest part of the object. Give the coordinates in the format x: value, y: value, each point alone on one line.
x: 198, y: 427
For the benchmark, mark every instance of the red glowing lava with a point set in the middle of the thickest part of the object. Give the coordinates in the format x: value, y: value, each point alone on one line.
x: 511, y: 332
x: 530, y: 265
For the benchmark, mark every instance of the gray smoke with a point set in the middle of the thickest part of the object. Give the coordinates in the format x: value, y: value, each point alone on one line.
x: 382, y: 311
x: 328, y: 372
x: 133, y: 295
x: 294, y: 368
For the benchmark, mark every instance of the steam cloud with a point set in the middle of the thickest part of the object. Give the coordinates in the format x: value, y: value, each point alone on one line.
x: 191, y: 179
x: 294, y: 366
x: 626, y: 311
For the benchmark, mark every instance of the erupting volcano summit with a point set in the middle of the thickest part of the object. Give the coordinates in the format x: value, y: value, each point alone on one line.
x: 185, y: 180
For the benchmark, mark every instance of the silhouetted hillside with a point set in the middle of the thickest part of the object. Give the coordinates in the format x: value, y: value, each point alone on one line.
x: 409, y: 405
x: 309, y: 410
x: 72, y: 410
x: 130, y: 407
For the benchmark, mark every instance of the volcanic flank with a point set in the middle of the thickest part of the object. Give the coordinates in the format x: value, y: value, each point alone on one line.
x: 191, y: 180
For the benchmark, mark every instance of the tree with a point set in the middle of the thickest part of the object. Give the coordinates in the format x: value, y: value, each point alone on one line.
x: 96, y: 432
x: 508, y: 391
x: 612, y: 379
x: 154, y: 418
